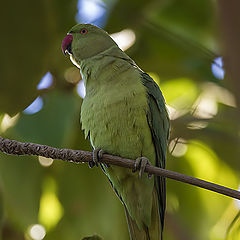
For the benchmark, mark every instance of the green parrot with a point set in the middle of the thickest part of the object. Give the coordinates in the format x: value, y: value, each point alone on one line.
x: 123, y: 114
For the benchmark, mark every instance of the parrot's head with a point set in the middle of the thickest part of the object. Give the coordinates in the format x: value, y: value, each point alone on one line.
x: 84, y: 41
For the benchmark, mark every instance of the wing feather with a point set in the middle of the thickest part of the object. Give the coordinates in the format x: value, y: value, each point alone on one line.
x: 158, y: 121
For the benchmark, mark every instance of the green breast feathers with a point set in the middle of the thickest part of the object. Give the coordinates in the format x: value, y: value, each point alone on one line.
x: 114, y: 108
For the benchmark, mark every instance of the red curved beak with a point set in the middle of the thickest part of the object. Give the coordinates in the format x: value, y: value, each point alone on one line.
x: 66, y: 44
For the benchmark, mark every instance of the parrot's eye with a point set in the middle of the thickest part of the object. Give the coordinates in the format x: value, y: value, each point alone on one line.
x: 84, y: 31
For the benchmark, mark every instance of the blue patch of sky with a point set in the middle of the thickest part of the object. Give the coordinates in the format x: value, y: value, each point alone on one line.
x: 46, y: 81
x: 35, y: 106
x: 217, y: 68
x: 92, y: 11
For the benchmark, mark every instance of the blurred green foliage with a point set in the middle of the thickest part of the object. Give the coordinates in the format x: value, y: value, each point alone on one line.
x: 176, y: 43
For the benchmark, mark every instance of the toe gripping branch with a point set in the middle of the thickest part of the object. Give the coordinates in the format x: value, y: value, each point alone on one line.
x: 140, y: 164
x: 96, y: 159
x: 97, y: 156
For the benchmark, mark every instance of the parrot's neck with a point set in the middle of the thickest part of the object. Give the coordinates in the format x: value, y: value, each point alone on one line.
x: 107, y: 64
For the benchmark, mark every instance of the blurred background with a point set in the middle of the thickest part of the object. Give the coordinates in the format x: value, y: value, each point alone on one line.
x: 191, y: 49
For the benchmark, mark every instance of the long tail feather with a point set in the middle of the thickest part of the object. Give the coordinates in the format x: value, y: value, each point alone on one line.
x: 152, y: 232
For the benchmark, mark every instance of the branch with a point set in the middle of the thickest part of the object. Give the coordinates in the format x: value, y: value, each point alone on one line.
x: 77, y: 156
x: 229, y: 23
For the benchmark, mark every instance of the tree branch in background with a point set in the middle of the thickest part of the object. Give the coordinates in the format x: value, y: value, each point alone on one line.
x: 229, y: 16
x: 77, y: 156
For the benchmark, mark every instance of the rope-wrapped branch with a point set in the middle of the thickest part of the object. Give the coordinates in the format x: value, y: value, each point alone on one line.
x: 77, y: 156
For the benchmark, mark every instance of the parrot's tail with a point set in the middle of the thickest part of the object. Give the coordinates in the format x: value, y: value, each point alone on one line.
x: 152, y: 232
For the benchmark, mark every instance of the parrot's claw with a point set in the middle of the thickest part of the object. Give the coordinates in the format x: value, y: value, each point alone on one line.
x: 140, y: 164
x: 97, y: 156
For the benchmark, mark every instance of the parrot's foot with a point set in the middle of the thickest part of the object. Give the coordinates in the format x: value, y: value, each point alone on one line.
x: 140, y: 164
x: 97, y: 156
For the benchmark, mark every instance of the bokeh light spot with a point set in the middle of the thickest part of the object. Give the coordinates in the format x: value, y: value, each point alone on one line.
x: 178, y: 147
x: 72, y: 75
x: 81, y: 90
x: 8, y: 122
x: 34, y: 107
x: 91, y: 11
x: 45, y: 162
x: 124, y: 39
x: 217, y: 68
x: 46, y: 81
x: 51, y: 210
x: 197, y: 125
x: 37, y: 232
x: 180, y: 93
x: 206, y: 108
